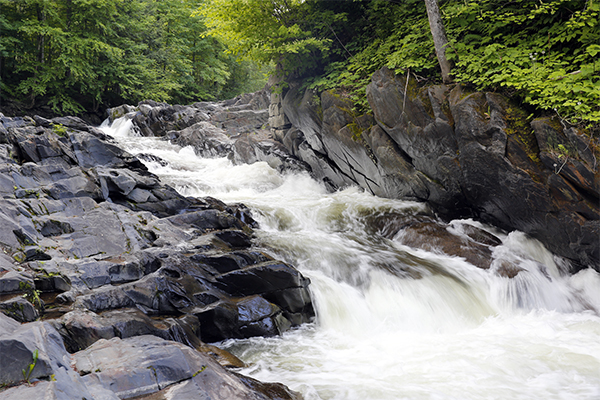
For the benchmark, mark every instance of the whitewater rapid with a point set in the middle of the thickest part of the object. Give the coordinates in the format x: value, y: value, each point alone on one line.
x: 395, y: 322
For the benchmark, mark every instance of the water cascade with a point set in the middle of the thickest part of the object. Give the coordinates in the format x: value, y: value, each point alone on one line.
x: 395, y: 319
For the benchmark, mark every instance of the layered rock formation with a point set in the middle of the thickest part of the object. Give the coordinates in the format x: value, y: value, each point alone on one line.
x: 465, y: 154
x: 129, y: 277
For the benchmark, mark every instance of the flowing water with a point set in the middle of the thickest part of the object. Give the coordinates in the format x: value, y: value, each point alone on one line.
x: 395, y: 322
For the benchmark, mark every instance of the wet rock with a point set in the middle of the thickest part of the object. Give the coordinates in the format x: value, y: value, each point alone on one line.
x: 242, y: 318
x: 223, y: 357
x: 269, y: 390
x: 476, y: 234
x: 147, y: 364
x: 506, y: 268
x: 91, y: 151
x: 276, y: 282
x: 232, y: 261
x: 435, y: 237
x: 249, y: 148
x: 81, y: 328
x: 235, y: 239
x: 265, y: 277
x: 207, y: 220
x: 18, y: 308
x: 206, y: 139
x: 156, y: 119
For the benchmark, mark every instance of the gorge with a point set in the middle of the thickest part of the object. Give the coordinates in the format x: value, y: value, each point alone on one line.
x: 451, y: 246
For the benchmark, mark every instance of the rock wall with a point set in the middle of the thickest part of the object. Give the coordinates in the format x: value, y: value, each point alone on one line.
x: 126, y: 272
x: 465, y: 154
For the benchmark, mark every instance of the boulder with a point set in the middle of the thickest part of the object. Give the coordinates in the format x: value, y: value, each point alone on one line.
x: 241, y: 318
x: 20, y: 309
x: 146, y: 364
x: 115, y: 368
x: 206, y: 139
x: 82, y: 328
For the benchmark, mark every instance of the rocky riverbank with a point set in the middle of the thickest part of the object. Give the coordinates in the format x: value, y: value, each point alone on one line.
x: 111, y: 283
x: 467, y: 155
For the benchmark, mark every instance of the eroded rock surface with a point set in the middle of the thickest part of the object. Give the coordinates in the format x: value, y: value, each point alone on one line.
x: 113, y: 261
x: 468, y: 155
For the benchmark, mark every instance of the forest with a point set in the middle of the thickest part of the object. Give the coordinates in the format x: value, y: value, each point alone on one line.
x: 90, y: 54
x: 87, y: 55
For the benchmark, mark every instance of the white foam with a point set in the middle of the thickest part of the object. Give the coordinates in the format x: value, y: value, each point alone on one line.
x: 395, y: 322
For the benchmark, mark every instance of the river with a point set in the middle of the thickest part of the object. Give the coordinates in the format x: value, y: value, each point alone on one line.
x: 393, y: 321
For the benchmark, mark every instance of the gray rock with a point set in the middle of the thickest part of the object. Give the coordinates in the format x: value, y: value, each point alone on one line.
x: 55, y: 391
x: 303, y: 109
x: 118, y: 255
x: 249, y: 149
x: 12, y: 281
x: 468, y: 155
x: 146, y: 364
x: 18, y: 344
x: 19, y: 309
x: 206, y: 139
x: 242, y: 318
x: 81, y: 328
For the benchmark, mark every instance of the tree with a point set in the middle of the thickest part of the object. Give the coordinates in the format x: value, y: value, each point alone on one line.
x: 77, y: 55
x: 440, y: 41
x: 285, y: 32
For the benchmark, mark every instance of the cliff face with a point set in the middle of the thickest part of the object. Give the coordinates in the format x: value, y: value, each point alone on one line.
x: 465, y: 154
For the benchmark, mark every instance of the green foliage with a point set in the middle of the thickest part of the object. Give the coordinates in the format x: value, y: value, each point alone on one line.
x: 545, y: 52
x: 86, y: 54
x: 59, y: 129
x: 276, y: 31
x: 32, y: 295
x: 395, y: 35
x: 29, y: 370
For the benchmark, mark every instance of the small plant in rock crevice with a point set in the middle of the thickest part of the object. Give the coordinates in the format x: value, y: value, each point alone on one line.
x: 27, y: 372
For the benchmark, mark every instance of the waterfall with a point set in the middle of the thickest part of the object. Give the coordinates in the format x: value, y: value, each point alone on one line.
x: 394, y: 320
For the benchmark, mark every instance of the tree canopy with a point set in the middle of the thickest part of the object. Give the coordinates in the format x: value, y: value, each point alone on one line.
x: 87, y: 54
x: 542, y: 52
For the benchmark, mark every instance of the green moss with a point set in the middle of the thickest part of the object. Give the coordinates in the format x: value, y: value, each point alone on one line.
x: 356, y: 131
x: 59, y: 129
x: 426, y: 102
x: 518, y: 125
x: 19, y: 257
x: 200, y: 370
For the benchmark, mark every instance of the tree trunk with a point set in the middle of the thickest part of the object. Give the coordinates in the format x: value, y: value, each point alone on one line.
x: 41, y: 15
x: 440, y: 41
